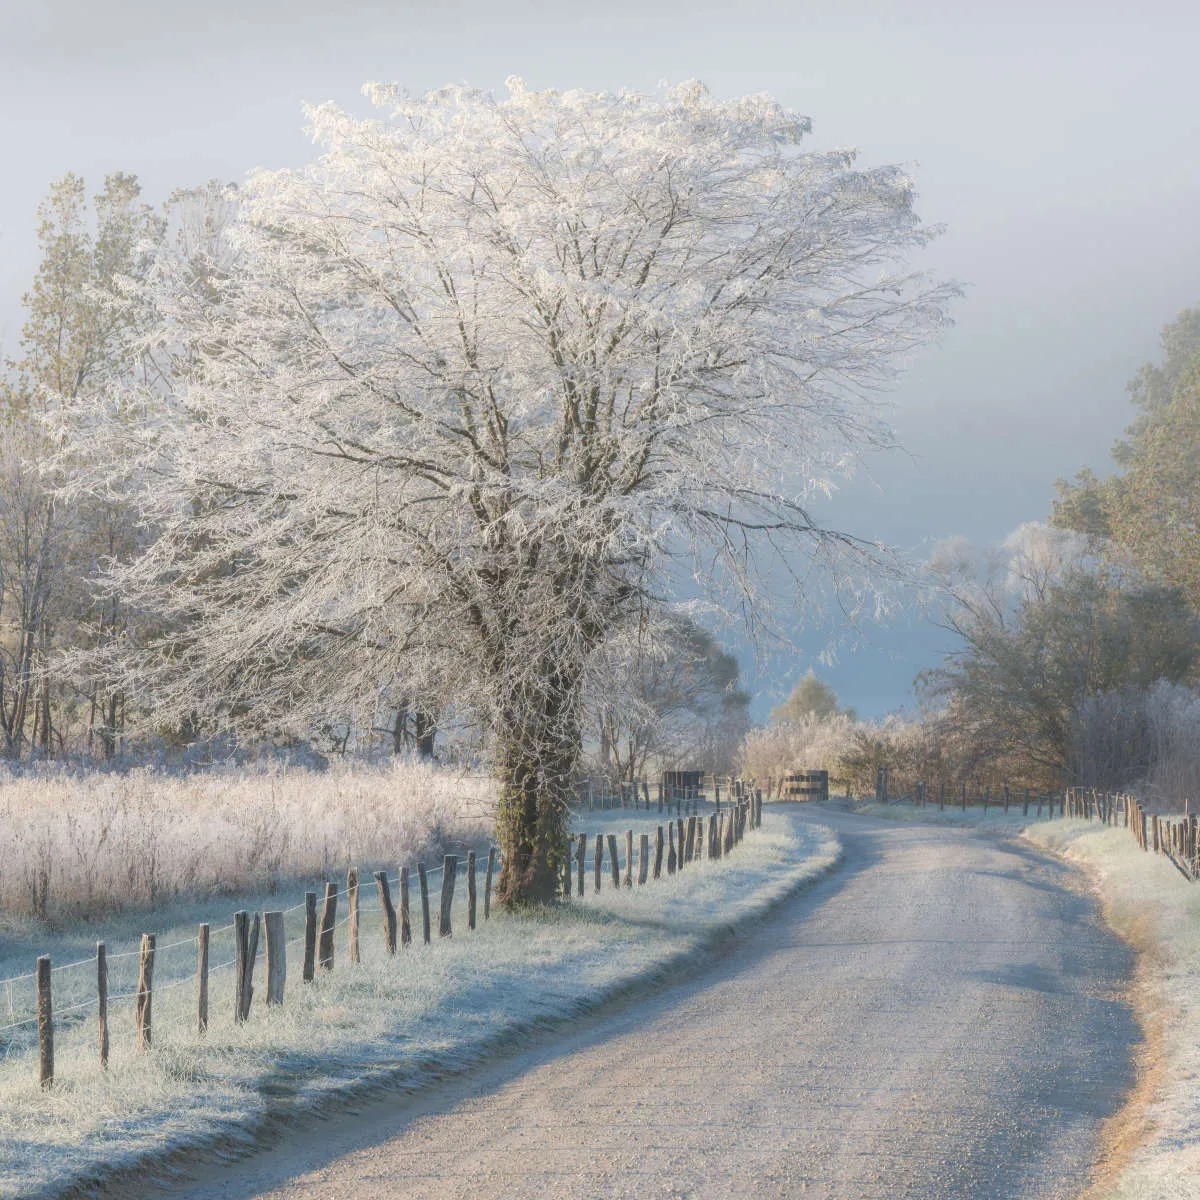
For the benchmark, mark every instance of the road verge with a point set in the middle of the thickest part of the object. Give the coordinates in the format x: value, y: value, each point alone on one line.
x: 387, y: 1024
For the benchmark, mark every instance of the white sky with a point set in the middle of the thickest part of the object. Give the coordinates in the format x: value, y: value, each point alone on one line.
x: 1060, y: 142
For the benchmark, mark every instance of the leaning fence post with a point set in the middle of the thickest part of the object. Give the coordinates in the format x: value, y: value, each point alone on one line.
x: 202, y: 980
x: 145, y: 992
x: 389, y: 911
x: 614, y: 862
x: 487, y: 887
x: 247, y: 951
x: 310, y: 936
x: 658, y: 853
x: 449, y: 872
x: 45, y: 1023
x: 423, y: 881
x: 328, y: 921
x: 581, y: 855
x: 671, y: 864
x: 102, y: 997
x: 352, y: 904
x: 405, y: 921
x: 276, y: 956
x: 470, y: 889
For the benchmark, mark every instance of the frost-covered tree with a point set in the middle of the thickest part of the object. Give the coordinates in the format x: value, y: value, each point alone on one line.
x: 76, y: 343
x: 483, y: 379
x: 665, y: 692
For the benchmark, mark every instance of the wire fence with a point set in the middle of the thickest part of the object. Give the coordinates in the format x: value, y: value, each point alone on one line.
x: 60, y: 999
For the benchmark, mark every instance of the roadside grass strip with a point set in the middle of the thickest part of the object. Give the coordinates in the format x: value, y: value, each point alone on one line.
x: 388, y: 1022
x: 1150, y: 904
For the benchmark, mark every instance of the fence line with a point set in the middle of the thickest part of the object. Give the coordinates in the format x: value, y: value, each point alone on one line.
x: 1175, y: 839
x: 690, y: 838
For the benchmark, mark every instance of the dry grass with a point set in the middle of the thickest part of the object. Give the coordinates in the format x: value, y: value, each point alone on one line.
x: 80, y: 845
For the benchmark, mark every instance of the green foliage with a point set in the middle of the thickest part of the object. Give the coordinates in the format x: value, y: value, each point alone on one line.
x: 1148, y: 513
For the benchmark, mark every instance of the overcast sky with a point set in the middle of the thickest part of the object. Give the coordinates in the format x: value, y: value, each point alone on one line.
x: 1059, y: 142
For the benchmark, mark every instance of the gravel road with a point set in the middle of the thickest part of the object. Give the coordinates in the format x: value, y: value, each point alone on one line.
x: 941, y: 1018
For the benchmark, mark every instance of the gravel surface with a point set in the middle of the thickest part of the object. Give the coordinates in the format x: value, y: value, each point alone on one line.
x: 942, y: 1017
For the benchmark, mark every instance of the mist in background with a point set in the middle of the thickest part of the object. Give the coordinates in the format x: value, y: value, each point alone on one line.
x: 1056, y: 141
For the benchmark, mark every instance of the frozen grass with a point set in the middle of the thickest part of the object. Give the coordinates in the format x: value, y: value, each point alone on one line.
x: 389, y: 1021
x: 1150, y: 904
x: 79, y: 845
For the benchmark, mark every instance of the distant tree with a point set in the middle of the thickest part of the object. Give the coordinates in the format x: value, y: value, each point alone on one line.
x: 480, y: 378
x: 1148, y: 513
x: 76, y: 344
x: 669, y: 695
x: 1015, y: 685
x: 809, y: 698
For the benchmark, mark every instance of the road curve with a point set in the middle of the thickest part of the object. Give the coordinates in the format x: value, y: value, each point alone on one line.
x: 941, y: 1018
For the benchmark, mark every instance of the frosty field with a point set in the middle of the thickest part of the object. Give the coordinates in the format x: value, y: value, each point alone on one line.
x: 388, y: 1022
x: 80, y: 845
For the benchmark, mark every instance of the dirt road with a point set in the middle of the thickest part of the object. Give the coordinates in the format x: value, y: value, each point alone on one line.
x: 941, y: 1018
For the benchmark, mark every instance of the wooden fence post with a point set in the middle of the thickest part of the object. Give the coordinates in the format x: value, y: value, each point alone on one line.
x: 405, y: 917
x: 449, y: 874
x: 581, y: 855
x: 389, y: 911
x: 246, y: 950
x: 679, y: 858
x: 102, y: 995
x: 145, y: 992
x: 310, y: 936
x: 423, y: 882
x: 45, y: 1023
x: 964, y: 795
x: 352, y: 904
x: 569, y: 858
x: 202, y: 980
x: 629, y: 858
x: 328, y: 921
x: 614, y: 862
x: 658, y: 853
x: 276, y: 956
x: 487, y: 890
x: 470, y: 889
x: 643, y: 859
x: 597, y: 865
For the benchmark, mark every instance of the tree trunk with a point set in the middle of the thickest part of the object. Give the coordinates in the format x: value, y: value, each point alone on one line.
x: 425, y: 725
x: 536, y: 763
